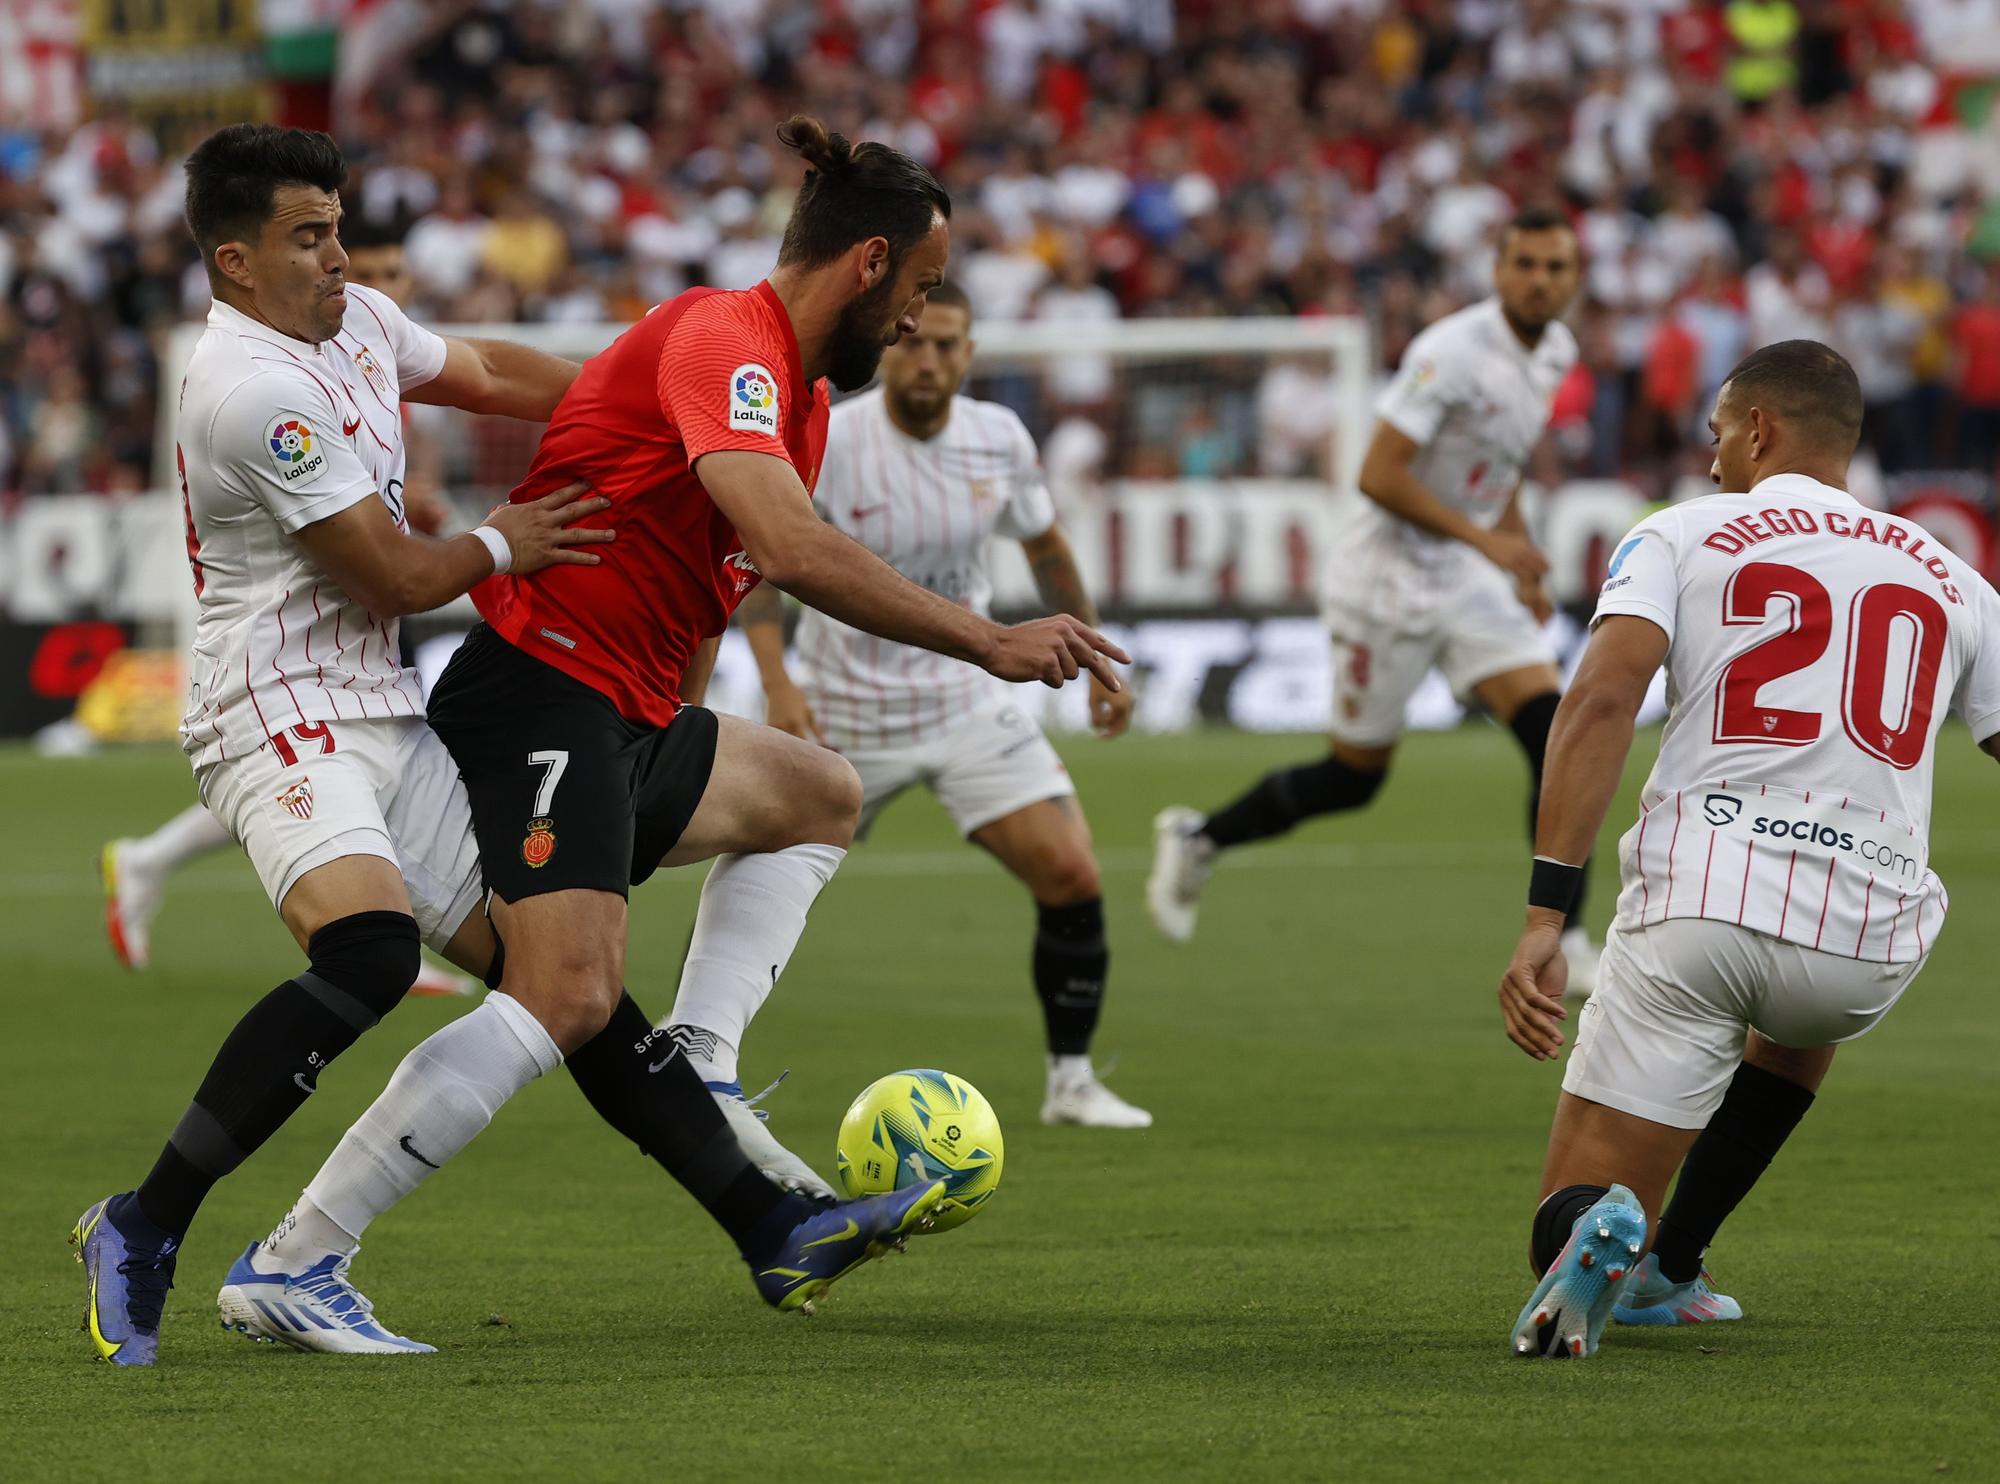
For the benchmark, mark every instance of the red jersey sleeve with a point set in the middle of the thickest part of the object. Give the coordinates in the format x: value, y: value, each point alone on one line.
x: 723, y: 384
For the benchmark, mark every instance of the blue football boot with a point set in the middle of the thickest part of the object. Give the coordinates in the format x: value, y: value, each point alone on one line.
x: 1653, y: 1299
x: 318, y: 1309
x: 838, y: 1238
x: 1573, y: 1302
x: 127, y: 1272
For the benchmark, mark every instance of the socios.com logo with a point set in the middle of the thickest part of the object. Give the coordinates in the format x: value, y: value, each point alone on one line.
x: 291, y: 442
x: 1721, y: 809
x: 755, y: 391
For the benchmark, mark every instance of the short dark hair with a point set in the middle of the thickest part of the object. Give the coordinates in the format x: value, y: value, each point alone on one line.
x: 1805, y: 382
x: 951, y: 296
x: 853, y: 192
x: 233, y: 175
x: 1536, y: 219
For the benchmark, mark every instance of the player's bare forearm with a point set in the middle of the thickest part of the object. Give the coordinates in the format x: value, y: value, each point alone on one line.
x: 1056, y: 576
x: 500, y: 378
x: 801, y: 554
x: 1387, y: 479
x: 761, y: 616
x: 1511, y: 518
x: 388, y: 571
x: 1592, y: 734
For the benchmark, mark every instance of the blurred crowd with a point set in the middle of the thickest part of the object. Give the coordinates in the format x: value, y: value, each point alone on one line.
x: 1738, y: 174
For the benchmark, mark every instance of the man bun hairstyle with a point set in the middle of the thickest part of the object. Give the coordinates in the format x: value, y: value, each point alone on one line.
x: 234, y: 174
x: 1803, y: 382
x: 853, y: 192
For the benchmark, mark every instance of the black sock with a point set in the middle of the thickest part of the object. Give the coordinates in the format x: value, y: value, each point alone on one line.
x: 1553, y: 1219
x: 1757, y: 1115
x: 640, y: 1083
x: 1531, y: 728
x: 361, y: 967
x: 1281, y: 799
x: 1070, y: 963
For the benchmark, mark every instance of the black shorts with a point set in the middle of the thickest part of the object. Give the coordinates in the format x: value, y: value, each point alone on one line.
x: 566, y: 793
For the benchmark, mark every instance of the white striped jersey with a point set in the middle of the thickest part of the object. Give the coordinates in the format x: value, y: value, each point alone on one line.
x: 1814, y: 649
x: 273, y: 435
x: 927, y: 507
x: 1476, y: 402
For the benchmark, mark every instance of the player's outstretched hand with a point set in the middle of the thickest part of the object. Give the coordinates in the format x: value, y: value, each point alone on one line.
x: 1513, y: 552
x: 1053, y: 650
x: 543, y: 532
x: 1531, y: 991
x: 787, y: 709
x: 1110, y: 710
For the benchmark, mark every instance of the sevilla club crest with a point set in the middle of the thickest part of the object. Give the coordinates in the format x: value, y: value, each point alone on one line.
x: 298, y: 799
x: 540, y: 843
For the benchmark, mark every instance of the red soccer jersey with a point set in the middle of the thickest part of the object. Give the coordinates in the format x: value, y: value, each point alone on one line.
x: 704, y: 372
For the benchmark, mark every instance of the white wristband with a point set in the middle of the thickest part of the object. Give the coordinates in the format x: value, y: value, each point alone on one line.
x: 496, y: 547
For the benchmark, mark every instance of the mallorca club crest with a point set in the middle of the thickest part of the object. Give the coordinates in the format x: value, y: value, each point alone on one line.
x: 298, y: 799
x: 540, y: 843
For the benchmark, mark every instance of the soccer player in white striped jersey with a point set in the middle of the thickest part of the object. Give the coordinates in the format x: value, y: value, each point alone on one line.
x: 1777, y: 878
x: 305, y: 730
x: 924, y: 477
x: 1435, y: 570
x: 135, y: 869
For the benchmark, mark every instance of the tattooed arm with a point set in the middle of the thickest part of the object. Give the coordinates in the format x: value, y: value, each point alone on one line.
x: 1061, y: 586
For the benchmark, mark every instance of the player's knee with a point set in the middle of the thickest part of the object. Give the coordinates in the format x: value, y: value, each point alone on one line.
x: 837, y: 799
x: 572, y: 991
x: 1531, y: 724
x: 1066, y: 876
x: 362, y: 965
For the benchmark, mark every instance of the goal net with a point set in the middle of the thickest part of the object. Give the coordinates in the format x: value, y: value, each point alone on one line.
x: 1198, y: 467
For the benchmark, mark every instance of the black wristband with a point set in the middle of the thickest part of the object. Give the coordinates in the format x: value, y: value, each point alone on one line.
x: 1555, y: 886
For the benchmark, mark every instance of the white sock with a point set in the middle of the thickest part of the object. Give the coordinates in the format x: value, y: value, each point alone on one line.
x: 1067, y: 1070
x: 753, y: 909
x: 192, y: 832
x: 446, y: 1090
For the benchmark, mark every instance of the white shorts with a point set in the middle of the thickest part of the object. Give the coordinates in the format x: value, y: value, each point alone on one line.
x: 986, y: 768
x: 1663, y: 1033
x: 382, y: 787
x: 1480, y: 630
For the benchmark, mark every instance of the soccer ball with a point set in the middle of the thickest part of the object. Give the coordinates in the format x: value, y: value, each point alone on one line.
x: 919, y: 1126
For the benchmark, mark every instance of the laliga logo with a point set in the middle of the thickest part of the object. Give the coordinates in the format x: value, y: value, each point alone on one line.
x: 753, y: 391
x: 753, y: 399
x: 1721, y: 809
x: 291, y: 441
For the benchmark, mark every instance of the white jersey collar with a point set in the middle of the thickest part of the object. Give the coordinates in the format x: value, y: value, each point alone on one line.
x: 226, y: 317
x: 1799, y: 484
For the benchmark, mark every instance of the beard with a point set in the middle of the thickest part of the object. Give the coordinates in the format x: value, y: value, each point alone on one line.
x: 858, y: 339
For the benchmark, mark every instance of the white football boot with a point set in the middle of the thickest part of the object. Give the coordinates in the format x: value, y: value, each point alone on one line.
x: 1582, y: 955
x: 1078, y: 1096
x: 131, y: 902
x: 435, y: 979
x: 318, y: 1309
x: 1181, y: 865
x: 746, y: 1120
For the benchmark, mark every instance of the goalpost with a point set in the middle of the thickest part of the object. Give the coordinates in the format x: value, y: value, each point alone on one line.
x: 1198, y: 466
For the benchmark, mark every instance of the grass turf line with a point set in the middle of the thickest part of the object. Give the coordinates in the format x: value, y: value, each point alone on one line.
x: 1307, y: 1269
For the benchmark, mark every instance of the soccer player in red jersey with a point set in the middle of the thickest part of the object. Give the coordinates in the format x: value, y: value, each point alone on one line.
x: 703, y: 425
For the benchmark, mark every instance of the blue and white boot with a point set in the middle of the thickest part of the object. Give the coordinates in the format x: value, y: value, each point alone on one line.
x: 747, y: 1121
x: 127, y: 1272
x: 318, y: 1309
x: 1573, y: 1302
x: 1654, y: 1299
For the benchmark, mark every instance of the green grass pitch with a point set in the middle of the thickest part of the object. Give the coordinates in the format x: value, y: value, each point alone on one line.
x: 1306, y: 1270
